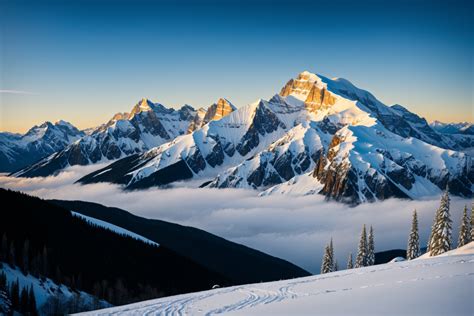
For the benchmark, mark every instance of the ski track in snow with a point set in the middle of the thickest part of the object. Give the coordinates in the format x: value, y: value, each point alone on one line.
x: 245, y: 297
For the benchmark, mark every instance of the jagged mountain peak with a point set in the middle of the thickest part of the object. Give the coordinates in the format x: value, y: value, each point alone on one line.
x: 187, y: 107
x: 215, y: 111
x: 311, y: 89
x: 143, y: 105
x: 219, y: 109
x: 47, y: 125
x: 300, y: 86
x: 308, y: 76
x: 187, y: 112
x: 64, y: 123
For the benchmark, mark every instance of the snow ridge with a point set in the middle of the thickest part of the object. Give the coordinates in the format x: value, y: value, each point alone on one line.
x: 116, y: 229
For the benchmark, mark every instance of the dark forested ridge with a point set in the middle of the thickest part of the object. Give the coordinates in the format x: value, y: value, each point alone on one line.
x: 238, y: 263
x: 46, y: 240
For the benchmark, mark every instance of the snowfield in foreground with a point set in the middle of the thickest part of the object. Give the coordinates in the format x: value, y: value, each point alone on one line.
x: 434, y: 286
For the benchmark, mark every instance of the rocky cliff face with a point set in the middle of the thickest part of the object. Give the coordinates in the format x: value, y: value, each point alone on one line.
x: 374, y: 164
x: 293, y: 154
x: 308, y: 88
x: 300, y: 86
x: 215, y: 112
x: 319, y: 99
x: 197, y: 121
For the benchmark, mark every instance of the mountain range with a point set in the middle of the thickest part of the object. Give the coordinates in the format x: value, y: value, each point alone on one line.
x: 146, y: 126
x: 318, y: 135
x: 18, y: 151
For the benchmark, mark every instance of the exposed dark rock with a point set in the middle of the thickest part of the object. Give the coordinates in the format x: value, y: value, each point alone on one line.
x: 196, y: 161
x: 175, y: 172
x: 216, y: 157
x: 264, y: 122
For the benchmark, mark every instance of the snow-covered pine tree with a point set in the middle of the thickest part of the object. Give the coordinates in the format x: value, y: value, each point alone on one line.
x: 441, y: 232
x: 361, y: 260
x: 331, y: 255
x: 371, y: 248
x: 350, y: 265
x: 336, y: 267
x: 326, y: 265
x: 464, y: 230
x: 472, y: 222
x: 413, y: 248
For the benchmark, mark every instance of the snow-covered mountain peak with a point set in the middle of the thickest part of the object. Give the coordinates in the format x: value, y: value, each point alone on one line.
x: 60, y: 128
x: 187, y: 112
x: 308, y: 76
x: 310, y: 89
x: 63, y: 123
x: 301, y: 86
x: 224, y: 105
x: 143, y: 105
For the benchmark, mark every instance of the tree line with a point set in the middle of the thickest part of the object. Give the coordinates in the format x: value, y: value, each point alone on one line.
x: 440, y: 239
x: 46, y: 241
x: 21, y: 299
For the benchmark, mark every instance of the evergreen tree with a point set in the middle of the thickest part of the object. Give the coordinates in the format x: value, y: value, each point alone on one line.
x: 26, y: 256
x: 15, y: 294
x: 472, y: 222
x: 413, y: 248
x: 361, y: 259
x: 11, y: 255
x: 3, y: 281
x: 331, y: 255
x: 441, y: 231
x: 32, y: 302
x: 328, y: 259
x: 44, y: 262
x: 24, y: 304
x: 336, y: 267
x: 4, y: 250
x: 464, y: 230
x: 371, y: 248
x: 350, y: 265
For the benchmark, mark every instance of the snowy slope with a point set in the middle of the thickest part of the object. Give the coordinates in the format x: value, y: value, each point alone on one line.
x: 434, y: 286
x: 46, y: 288
x: 114, y: 228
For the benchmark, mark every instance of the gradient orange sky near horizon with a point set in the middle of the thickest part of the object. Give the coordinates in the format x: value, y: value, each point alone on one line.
x: 14, y: 119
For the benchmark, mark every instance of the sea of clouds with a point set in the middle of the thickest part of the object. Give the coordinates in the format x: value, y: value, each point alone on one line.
x: 292, y: 228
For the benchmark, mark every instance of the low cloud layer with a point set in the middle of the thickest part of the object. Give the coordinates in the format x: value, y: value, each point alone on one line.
x: 293, y: 228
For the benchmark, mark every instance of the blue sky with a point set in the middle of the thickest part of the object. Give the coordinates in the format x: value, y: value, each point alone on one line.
x: 83, y: 61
